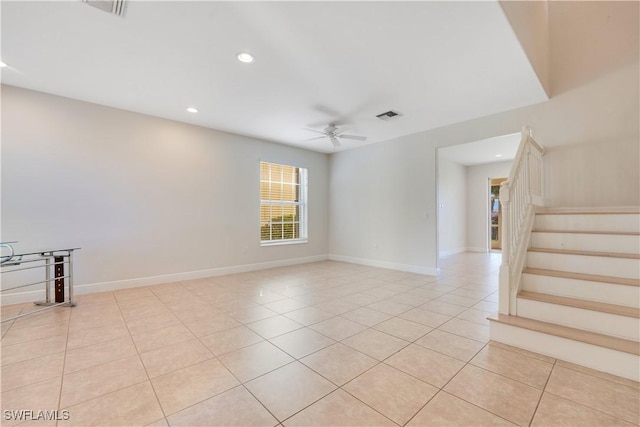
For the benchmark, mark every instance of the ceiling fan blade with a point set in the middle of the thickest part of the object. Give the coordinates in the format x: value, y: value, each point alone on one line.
x: 357, y: 138
x: 316, y: 131
x: 342, y: 130
x: 335, y: 142
x: 315, y: 137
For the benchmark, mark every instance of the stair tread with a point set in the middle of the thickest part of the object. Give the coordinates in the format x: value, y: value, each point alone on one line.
x: 612, y: 233
x: 593, y: 338
x: 619, y: 310
x: 583, y: 276
x: 586, y: 253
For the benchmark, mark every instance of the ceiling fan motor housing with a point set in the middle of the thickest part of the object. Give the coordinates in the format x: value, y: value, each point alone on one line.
x: 331, y: 129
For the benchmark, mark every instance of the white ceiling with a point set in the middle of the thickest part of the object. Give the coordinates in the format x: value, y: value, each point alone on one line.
x: 490, y: 150
x: 437, y: 63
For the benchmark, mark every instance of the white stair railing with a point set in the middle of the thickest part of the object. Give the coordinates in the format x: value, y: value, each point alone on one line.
x: 519, y: 195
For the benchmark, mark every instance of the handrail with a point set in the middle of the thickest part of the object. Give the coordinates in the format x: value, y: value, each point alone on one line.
x: 523, y: 190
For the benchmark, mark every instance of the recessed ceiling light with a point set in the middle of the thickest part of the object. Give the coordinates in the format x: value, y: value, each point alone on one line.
x: 498, y: 155
x: 2, y: 64
x: 245, y: 57
x: 192, y: 109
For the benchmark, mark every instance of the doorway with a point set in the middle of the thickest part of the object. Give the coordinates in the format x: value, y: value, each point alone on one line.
x: 495, y: 214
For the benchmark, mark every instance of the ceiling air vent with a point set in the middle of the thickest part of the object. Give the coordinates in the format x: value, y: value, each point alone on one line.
x: 115, y: 7
x: 388, y: 115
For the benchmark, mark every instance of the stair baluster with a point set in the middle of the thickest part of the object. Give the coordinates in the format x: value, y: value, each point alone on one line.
x: 519, y: 196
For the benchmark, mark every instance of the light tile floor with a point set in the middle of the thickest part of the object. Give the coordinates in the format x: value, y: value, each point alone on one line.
x: 326, y: 343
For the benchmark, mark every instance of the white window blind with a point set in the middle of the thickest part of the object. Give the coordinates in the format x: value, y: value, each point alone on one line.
x: 283, y: 203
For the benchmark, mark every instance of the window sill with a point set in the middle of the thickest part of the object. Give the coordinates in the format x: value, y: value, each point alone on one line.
x: 284, y: 242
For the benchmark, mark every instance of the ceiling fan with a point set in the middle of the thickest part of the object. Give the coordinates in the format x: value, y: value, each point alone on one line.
x: 334, y: 133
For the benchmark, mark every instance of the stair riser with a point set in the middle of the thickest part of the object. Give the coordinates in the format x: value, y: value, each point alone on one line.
x: 588, y: 320
x: 592, y: 222
x: 587, y: 242
x: 603, y: 359
x: 594, y: 291
x: 602, y: 266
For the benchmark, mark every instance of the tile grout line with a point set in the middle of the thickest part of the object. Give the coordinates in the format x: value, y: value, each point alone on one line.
x: 141, y: 361
x: 337, y: 315
x: 637, y: 388
x: 554, y: 364
x: 355, y: 397
x: 472, y: 404
x: 166, y: 417
x: 500, y: 345
x: 13, y: 322
x: 453, y: 376
x: 64, y: 363
x: 288, y: 332
x: 383, y: 361
x: 535, y: 411
x: 22, y: 309
x: 322, y: 376
x: 580, y: 403
x: 80, y: 370
x: 378, y: 362
x: 588, y: 407
x: 298, y: 411
x: 442, y: 389
x: 35, y: 357
x: 240, y: 383
x: 504, y: 376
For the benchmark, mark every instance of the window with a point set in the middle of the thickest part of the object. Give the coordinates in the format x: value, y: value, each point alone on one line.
x: 283, y: 204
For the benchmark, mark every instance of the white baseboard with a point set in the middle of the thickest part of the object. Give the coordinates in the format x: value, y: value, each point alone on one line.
x: 22, y: 297
x: 83, y: 289
x: 30, y: 296
x: 429, y: 271
x: 476, y: 249
x: 452, y: 252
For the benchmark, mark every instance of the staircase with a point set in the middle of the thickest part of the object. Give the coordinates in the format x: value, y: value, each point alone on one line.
x: 578, y: 296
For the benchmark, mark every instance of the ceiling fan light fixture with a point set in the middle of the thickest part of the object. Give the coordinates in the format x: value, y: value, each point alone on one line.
x: 245, y: 57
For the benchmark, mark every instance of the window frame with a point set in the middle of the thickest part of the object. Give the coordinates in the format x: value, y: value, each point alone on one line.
x: 301, y: 204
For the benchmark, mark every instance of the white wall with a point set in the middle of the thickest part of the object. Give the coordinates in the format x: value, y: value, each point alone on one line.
x: 142, y: 196
x: 452, y: 207
x: 477, y: 212
x: 134, y: 190
x: 530, y: 22
x: 580, y: 175
x: 381, y: 212
x: 593, y: 103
